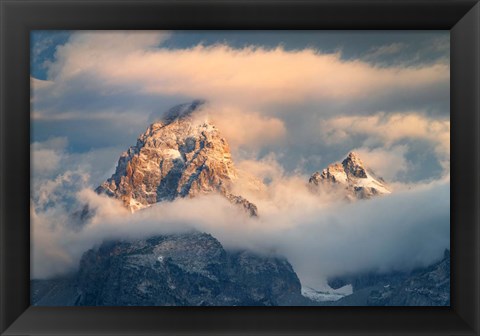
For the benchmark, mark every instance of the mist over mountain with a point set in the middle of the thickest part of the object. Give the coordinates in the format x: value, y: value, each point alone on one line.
x: 263, y: 242
x: 312, y: 155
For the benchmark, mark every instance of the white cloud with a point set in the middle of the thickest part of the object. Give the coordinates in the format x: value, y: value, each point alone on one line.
x: 321, y: 235
x: 91, y: 50
x: 55, y: 168
x: 401, y: 231
x: 388, y: 130
x: 47, y: 155
x: 249, y: 75
x: 387, y: 163
x: 247, y: 129
x: 111, y: 83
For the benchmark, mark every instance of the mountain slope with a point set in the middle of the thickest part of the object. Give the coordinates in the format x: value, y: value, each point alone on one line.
x: 352, y: 176
x: 183, y: 155
x: 425, y: 286
x: 187, y: 269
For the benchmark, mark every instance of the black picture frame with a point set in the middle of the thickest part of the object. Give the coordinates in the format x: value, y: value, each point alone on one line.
x: 19, y: 17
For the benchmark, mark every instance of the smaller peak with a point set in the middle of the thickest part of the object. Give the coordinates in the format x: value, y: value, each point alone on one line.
x: 353, y: 175
x: 353, y: 165
x: 353, y: 158
x: 182, y: 111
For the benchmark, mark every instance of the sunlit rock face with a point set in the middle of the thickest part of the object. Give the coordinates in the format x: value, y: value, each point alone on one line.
x: 182, y: 155
x: 351, y: 176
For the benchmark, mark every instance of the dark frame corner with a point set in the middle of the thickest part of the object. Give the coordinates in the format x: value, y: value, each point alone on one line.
x: 18, y: 17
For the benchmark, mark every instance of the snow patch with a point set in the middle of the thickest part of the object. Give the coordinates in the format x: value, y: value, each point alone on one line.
x: 173, y: 153
x: 135, y: 205
x: 370, y: 182
x: 326, y: 293
x: 339, y: 176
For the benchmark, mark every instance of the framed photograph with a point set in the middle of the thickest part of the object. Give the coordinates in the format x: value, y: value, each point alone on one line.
x: 223, y: 167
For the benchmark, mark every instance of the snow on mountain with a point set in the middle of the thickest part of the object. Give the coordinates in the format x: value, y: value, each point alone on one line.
x: 327, y: 293
x: 182, y: 155
x: 352, y: 176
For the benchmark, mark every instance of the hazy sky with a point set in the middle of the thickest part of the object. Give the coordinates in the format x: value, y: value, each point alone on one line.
x: 289, y: 103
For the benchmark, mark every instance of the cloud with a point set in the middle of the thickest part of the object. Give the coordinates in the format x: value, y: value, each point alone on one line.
x: 388, y: 164
x: 387, y: 130
x: 222, y: 73
x: 135, y: 62
x: 52, y: 163
x: 321, y: 239
x: 320, y: 234
x: 401, y: 231
x: 385, y: 50
x: 46, y: 156
x: 48, y: 257
x: 246, y: 129
x: 89, y: 50
x: 104, y: 89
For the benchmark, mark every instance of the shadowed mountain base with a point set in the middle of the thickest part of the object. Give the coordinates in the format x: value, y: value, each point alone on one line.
x: 190, y: 269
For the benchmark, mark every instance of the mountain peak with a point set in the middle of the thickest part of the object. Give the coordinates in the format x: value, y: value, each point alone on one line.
x: 353, y: 156
x: 353, y: 165
x: 175, y: 159
x: 352, y: 176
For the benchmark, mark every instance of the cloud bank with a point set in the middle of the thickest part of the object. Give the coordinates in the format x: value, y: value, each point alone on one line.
x: 320, y: 235
x: 320, y: 239
x: 254, y: 76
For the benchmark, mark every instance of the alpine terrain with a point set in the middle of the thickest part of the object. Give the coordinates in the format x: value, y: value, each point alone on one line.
x: 352, y: 177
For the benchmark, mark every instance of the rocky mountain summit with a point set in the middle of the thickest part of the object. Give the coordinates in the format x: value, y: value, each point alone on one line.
x: 182, y: 155
x: 184, y: 269
x: 352, y: 176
